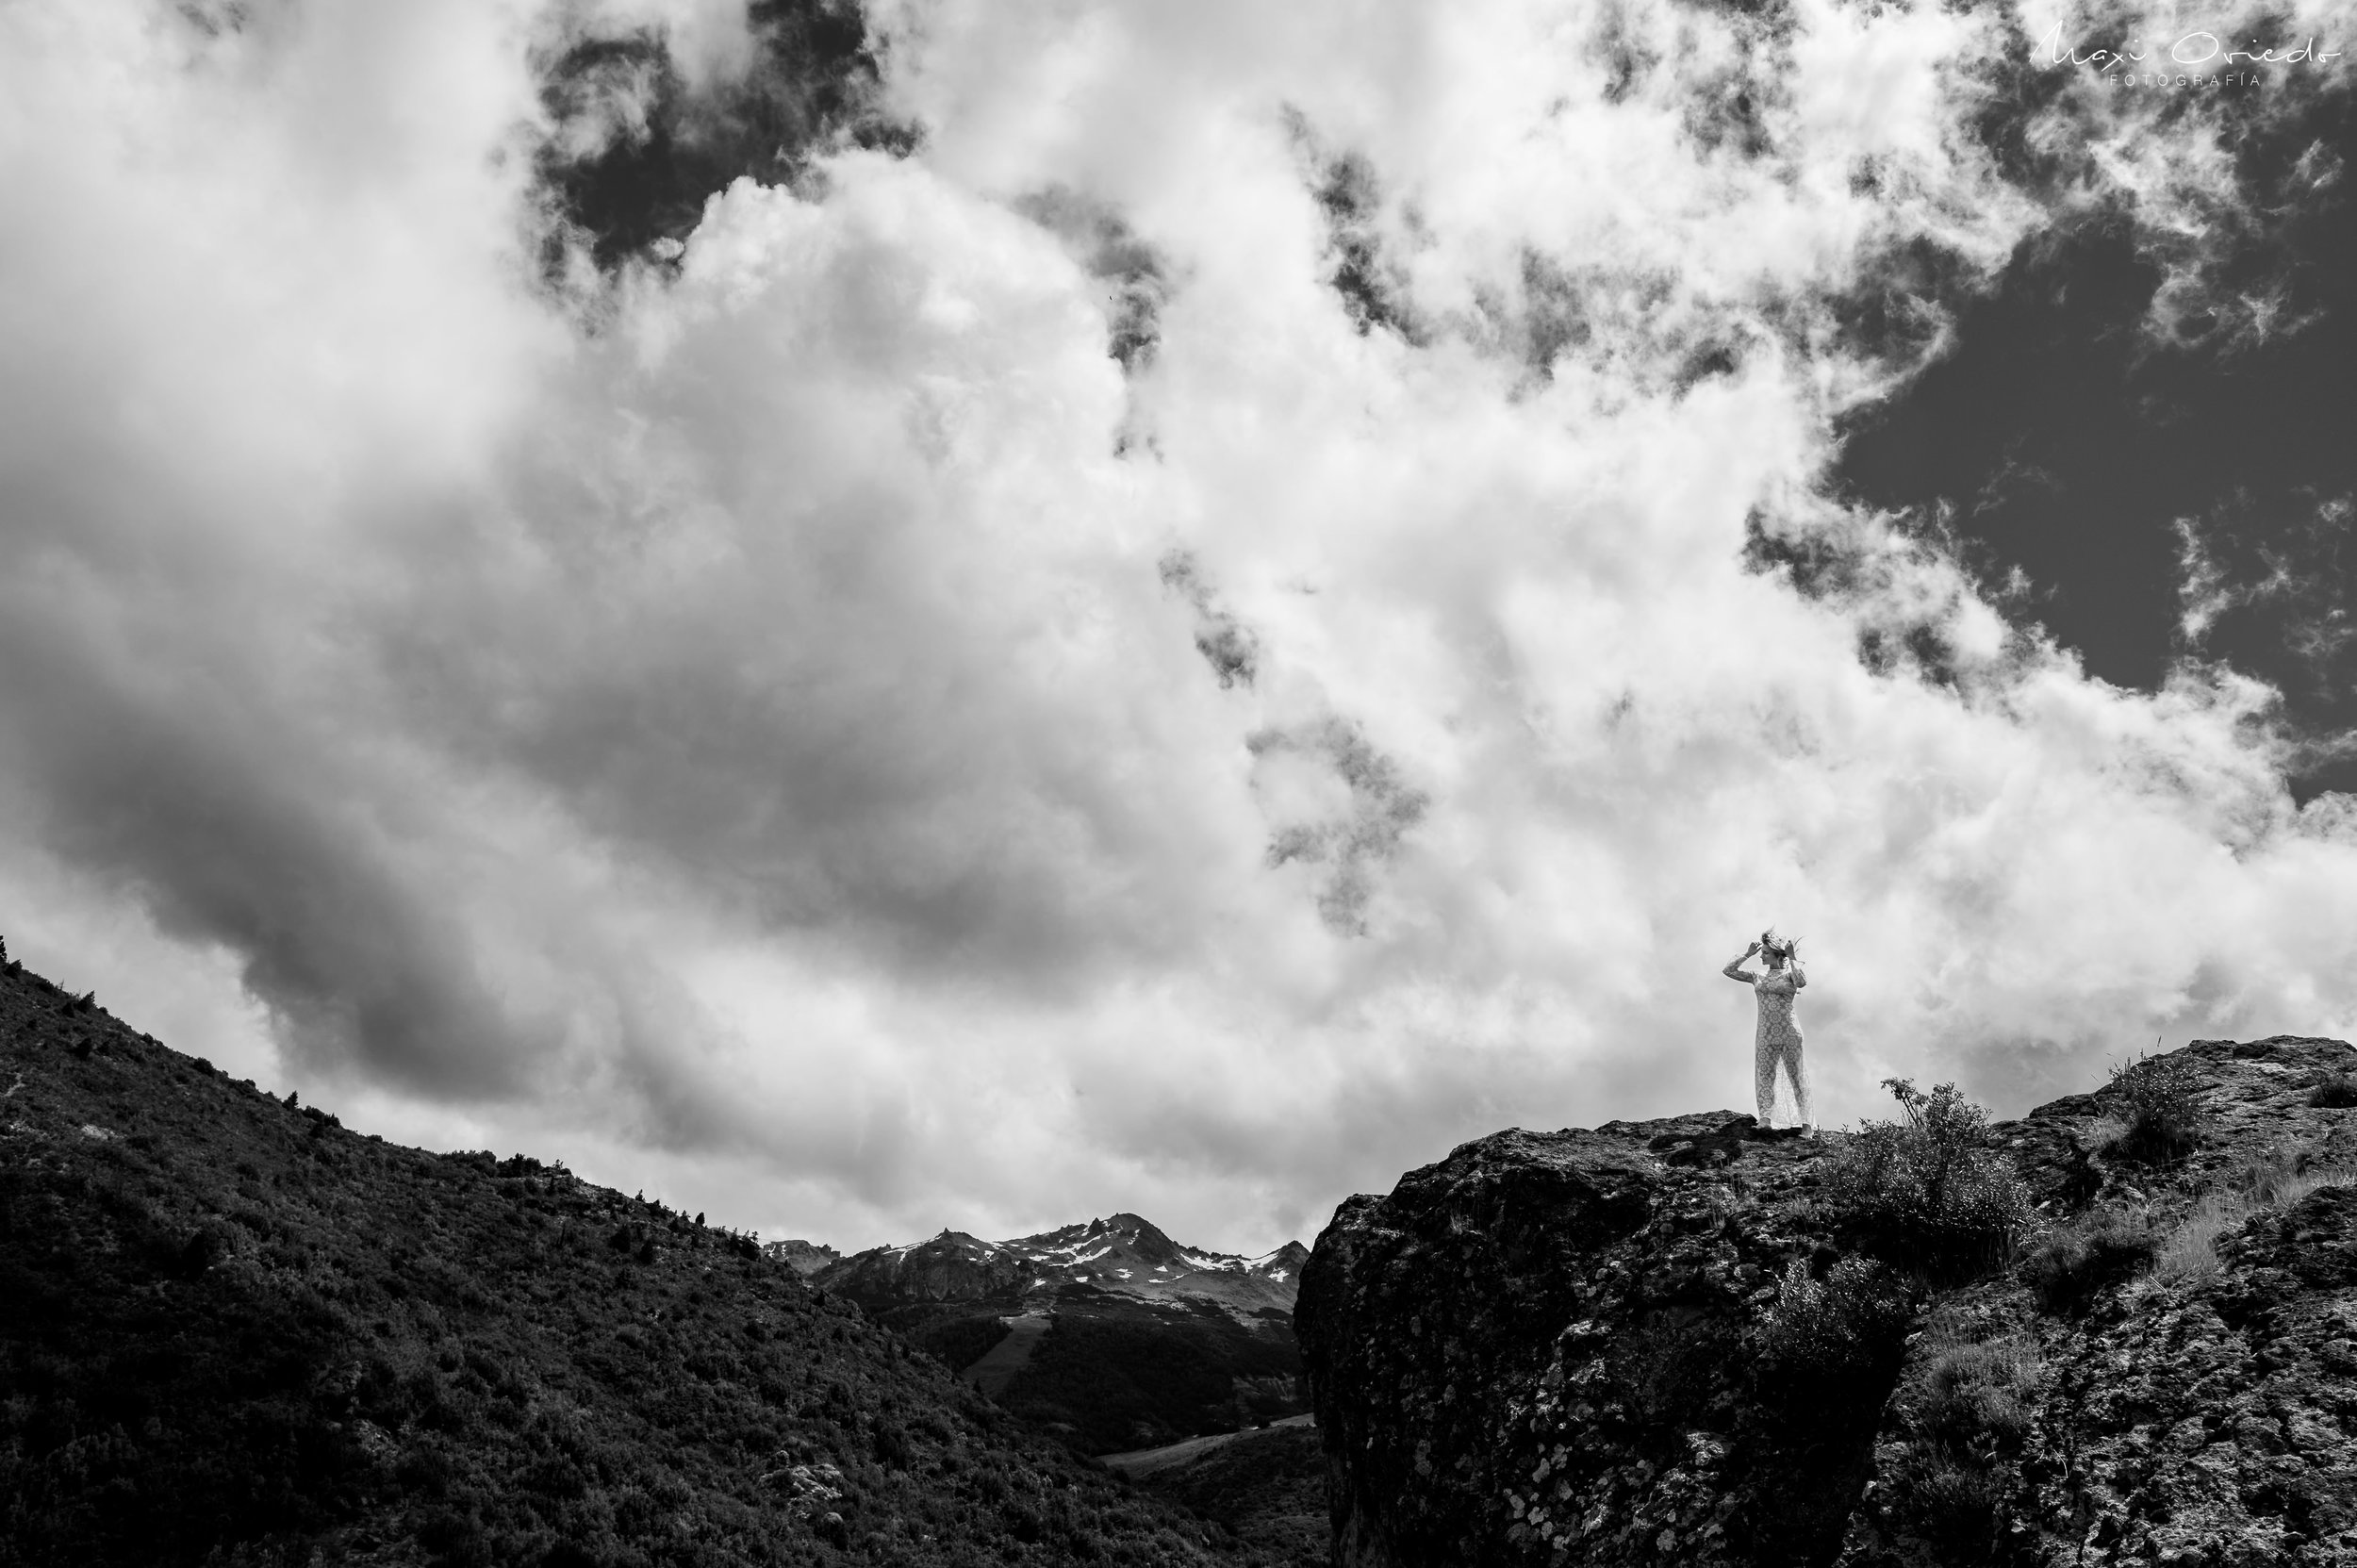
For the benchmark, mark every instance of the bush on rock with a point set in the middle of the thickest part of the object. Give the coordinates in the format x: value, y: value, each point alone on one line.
x: 1929, y: 1194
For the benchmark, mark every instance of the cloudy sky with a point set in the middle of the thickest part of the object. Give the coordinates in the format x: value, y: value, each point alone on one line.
x: 982, y: 614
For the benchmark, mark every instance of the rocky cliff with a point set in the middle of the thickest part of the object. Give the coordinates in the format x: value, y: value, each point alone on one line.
x: 1657, y: 1343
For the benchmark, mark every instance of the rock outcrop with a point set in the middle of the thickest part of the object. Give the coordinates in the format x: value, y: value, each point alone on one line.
x: 1560, y: 1348
x: 1533, y: 1351
x: 2202, y: 1410
x: 804, y: 1258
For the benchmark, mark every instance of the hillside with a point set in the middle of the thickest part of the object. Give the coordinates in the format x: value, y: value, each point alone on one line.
x: 1107, y: 1333
x: 1266, y: 1484
x: 2122, y: 1330
x: 233, y: 1332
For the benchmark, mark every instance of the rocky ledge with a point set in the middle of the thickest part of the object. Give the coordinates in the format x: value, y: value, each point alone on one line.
x: 1561, y: 1348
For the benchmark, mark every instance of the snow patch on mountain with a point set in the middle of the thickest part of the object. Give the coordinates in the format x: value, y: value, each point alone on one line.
x: 1121, y: 1254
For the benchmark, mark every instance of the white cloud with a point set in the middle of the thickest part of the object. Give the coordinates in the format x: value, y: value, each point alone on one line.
x: 753, y: 752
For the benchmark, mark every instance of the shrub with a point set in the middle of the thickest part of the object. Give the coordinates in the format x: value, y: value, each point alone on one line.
x: 2078, y: 1258
x: 890, y: 1443
x: 1972, y: 1390
x: 1952, y: 1504
x: 1834, y: 1343
x: 2335, y: 1090
x: 2160, y: 1103
x: 1967, y: 1404
x: 1928, y: 1194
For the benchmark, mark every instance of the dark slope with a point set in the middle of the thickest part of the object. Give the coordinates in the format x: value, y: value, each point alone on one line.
x: 1267, y: 1485
x: 1113, y: 1374
x: 232, y: 1331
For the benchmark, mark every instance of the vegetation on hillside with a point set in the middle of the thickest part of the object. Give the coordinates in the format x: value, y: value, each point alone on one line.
x: 1114, y: 1375
x: 237, y: 1332
x: 2156, y: 1282
x: 1265, y: 1486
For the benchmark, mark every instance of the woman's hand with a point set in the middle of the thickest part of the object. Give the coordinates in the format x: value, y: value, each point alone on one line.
x: 1753, y: 948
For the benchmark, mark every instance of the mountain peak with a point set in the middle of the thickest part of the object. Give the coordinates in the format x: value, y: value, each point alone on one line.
x: 1145, y: 1237
x: 1282, y: 1264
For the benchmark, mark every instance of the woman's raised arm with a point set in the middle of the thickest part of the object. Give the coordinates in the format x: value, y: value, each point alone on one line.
x: 1735, y: 969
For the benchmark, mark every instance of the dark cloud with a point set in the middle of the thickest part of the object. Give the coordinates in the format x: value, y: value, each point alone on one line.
x: 1225, y: 643
x: 1731, y: 112
x: 1554, y: 312
x: 636, y: 149
x: 1369, y: 282
x: 1136, y: 277
x: 1627, y: 52
x: 195, y: 804
x: 1370, y: 289
x: 1351, y: 844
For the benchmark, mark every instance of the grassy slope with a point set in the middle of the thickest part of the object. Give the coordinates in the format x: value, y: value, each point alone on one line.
x: 1114, y: 1375
x: 232, y: 1331
x: 1267, y: 1486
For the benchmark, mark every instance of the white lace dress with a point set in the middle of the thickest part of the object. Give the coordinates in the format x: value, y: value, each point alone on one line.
x: 1777, y: 1043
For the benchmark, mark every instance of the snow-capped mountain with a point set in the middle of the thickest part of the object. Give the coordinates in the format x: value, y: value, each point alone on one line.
x: 1108, y: 1333
x: 1123, y: 1255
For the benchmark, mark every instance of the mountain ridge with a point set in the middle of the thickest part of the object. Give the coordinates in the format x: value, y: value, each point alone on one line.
x: 239, y: 1334
x: 1121, y: 1254
x: 1106, y: 1332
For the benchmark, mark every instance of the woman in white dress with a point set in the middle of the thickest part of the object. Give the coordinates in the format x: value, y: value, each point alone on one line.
x: 1778, y: 1040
